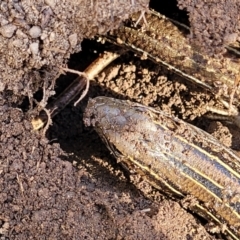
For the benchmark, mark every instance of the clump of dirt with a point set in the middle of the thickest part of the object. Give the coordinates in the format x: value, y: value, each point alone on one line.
x: 44, y: 196
x: 37, y: 38
x: 146, y: 83
x: 214, y: 24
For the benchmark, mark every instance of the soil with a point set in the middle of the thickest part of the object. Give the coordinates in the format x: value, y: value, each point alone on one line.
x: 66, y: 185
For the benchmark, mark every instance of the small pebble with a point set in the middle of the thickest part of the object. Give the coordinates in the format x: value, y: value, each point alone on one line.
x: 73, y: 39
x: 35, y: 31
x: 145, y: 71
x: 34, y: 47
x: 52, y: 37
x: 129, y: 68
x: 51, y: 3
x: 8, y: 30
x: 230, y: 38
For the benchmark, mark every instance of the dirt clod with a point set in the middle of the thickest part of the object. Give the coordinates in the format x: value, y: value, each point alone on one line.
x: 41, y: 34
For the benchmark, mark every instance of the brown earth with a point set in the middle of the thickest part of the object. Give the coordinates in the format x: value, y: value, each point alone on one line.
x: 68, y: 186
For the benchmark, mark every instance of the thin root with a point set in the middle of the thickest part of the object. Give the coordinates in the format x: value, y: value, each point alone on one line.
x: 20, y: 185
x: 38, y: 123
x: 142, y: 16
x: 73, y: 90
x: 49, y: 121
x: 84, y: 93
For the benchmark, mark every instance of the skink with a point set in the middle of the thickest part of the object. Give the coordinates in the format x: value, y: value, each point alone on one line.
x: 174, y: 156
x: 162, y: 41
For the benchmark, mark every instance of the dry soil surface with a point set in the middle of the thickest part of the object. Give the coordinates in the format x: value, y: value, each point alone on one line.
x: 67, y: 185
